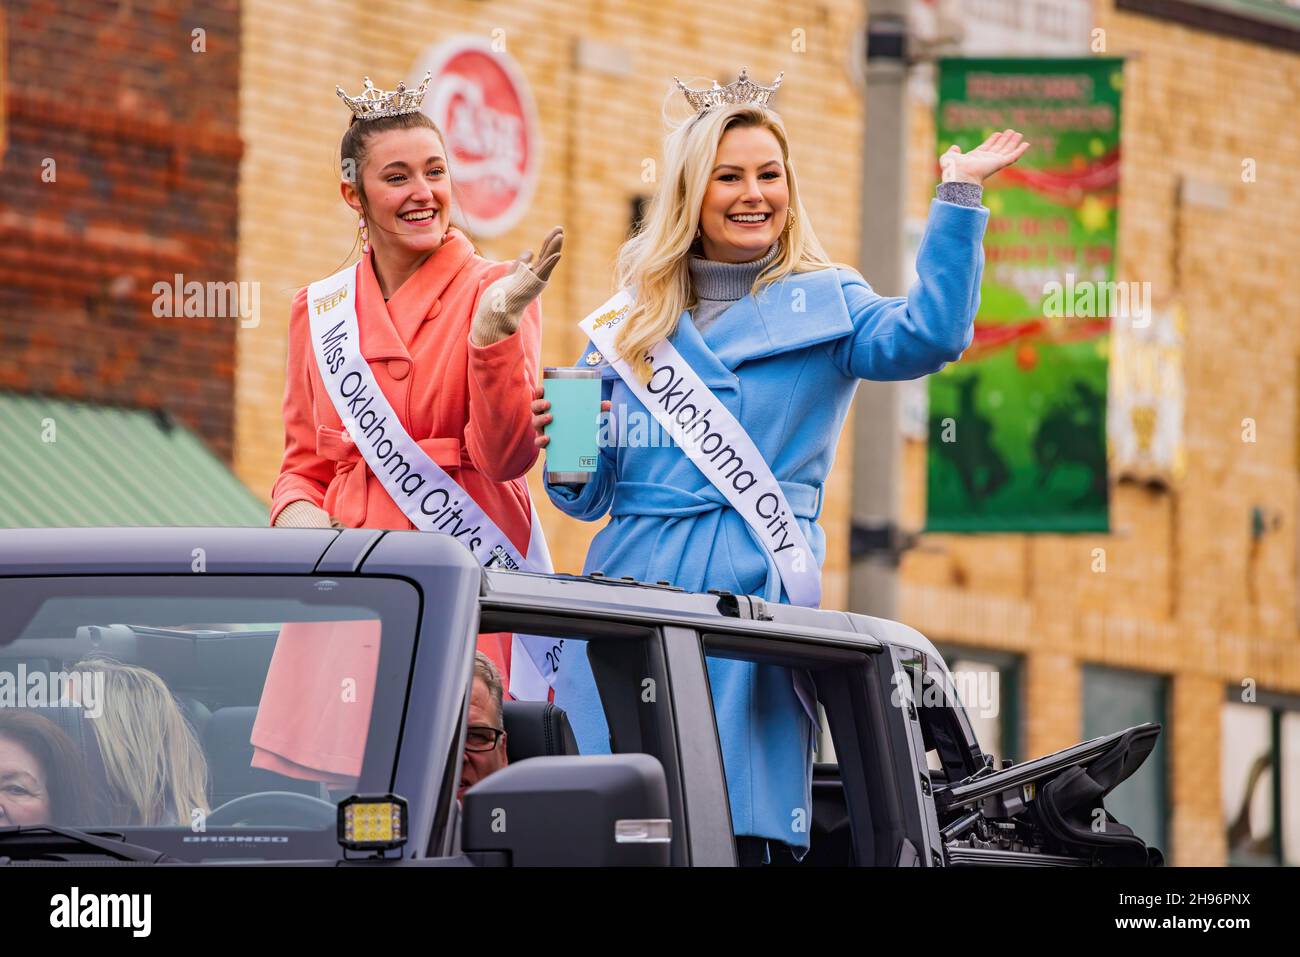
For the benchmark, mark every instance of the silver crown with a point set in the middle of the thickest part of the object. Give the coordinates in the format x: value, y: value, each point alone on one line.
x: 373, y: 104
x: 744, y: 90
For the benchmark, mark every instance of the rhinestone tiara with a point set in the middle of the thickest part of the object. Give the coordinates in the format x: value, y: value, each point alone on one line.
x: 373, y: 104
x: 744, y: 90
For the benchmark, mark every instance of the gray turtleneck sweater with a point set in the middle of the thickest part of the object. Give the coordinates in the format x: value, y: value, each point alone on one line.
x: 718, y: 284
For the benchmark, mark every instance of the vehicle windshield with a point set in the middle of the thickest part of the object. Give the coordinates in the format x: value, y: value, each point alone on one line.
x: 211, y: 716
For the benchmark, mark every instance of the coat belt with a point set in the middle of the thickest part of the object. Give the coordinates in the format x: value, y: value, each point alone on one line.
x: 648, y: 498
x: 447, y: 452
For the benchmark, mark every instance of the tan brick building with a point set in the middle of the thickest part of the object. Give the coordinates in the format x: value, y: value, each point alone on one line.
x: 1191, y: 598
x: 1189, y: 595
x: 599, y: 73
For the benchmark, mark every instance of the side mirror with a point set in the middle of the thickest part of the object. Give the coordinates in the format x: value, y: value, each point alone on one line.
x: 595, y: 811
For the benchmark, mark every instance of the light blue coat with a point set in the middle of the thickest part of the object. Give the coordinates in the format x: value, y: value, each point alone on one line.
x: 786, y: 365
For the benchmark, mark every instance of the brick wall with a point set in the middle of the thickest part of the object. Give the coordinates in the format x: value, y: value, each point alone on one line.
x: 1194, y: 740
x: 143, y: 135
x: 1186, y: 592
x: 596, y: 129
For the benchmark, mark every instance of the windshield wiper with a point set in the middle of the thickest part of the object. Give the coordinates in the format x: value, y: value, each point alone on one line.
x: 41, y: 839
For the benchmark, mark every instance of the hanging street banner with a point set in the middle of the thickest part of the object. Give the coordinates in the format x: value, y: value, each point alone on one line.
x: 1017, y: 428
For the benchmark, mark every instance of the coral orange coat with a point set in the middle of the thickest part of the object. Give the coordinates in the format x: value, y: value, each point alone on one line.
x: 467, y: 406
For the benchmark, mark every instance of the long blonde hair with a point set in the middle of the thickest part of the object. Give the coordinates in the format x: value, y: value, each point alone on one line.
x: 152, y: 759
x: 654, y: 264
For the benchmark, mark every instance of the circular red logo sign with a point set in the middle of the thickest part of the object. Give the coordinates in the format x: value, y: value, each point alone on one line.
x: 481, y: 102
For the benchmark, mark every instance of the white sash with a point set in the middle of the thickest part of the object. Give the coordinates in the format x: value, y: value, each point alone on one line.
x: 717, y: 444
x: 426, y: 494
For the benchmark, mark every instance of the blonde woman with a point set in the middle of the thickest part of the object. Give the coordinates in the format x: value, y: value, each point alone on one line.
x: 157, y: 774
x: 741, y: 329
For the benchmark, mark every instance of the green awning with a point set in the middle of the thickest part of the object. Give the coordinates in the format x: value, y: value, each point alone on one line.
x: 65, y: 464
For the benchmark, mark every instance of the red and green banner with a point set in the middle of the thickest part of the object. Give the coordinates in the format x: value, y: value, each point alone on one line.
x: 1017, y: 437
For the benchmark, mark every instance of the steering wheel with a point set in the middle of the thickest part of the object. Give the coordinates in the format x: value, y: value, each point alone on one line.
x: 275, y: 808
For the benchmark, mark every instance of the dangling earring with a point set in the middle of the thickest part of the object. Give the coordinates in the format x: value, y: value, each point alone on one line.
x: 365, y: 235
x: 697, y: 232
x: 789, y: 220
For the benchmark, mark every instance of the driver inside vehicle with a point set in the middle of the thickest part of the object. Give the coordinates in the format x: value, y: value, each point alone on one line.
x: 485, y: 738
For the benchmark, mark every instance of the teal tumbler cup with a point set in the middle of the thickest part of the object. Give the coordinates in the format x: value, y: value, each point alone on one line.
x: 573, y: 452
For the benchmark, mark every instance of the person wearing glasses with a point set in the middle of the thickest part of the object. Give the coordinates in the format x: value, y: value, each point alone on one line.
x: 485, y: 738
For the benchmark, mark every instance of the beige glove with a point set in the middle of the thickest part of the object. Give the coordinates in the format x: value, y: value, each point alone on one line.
x: 303, y: 514
x: 502, y: 304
